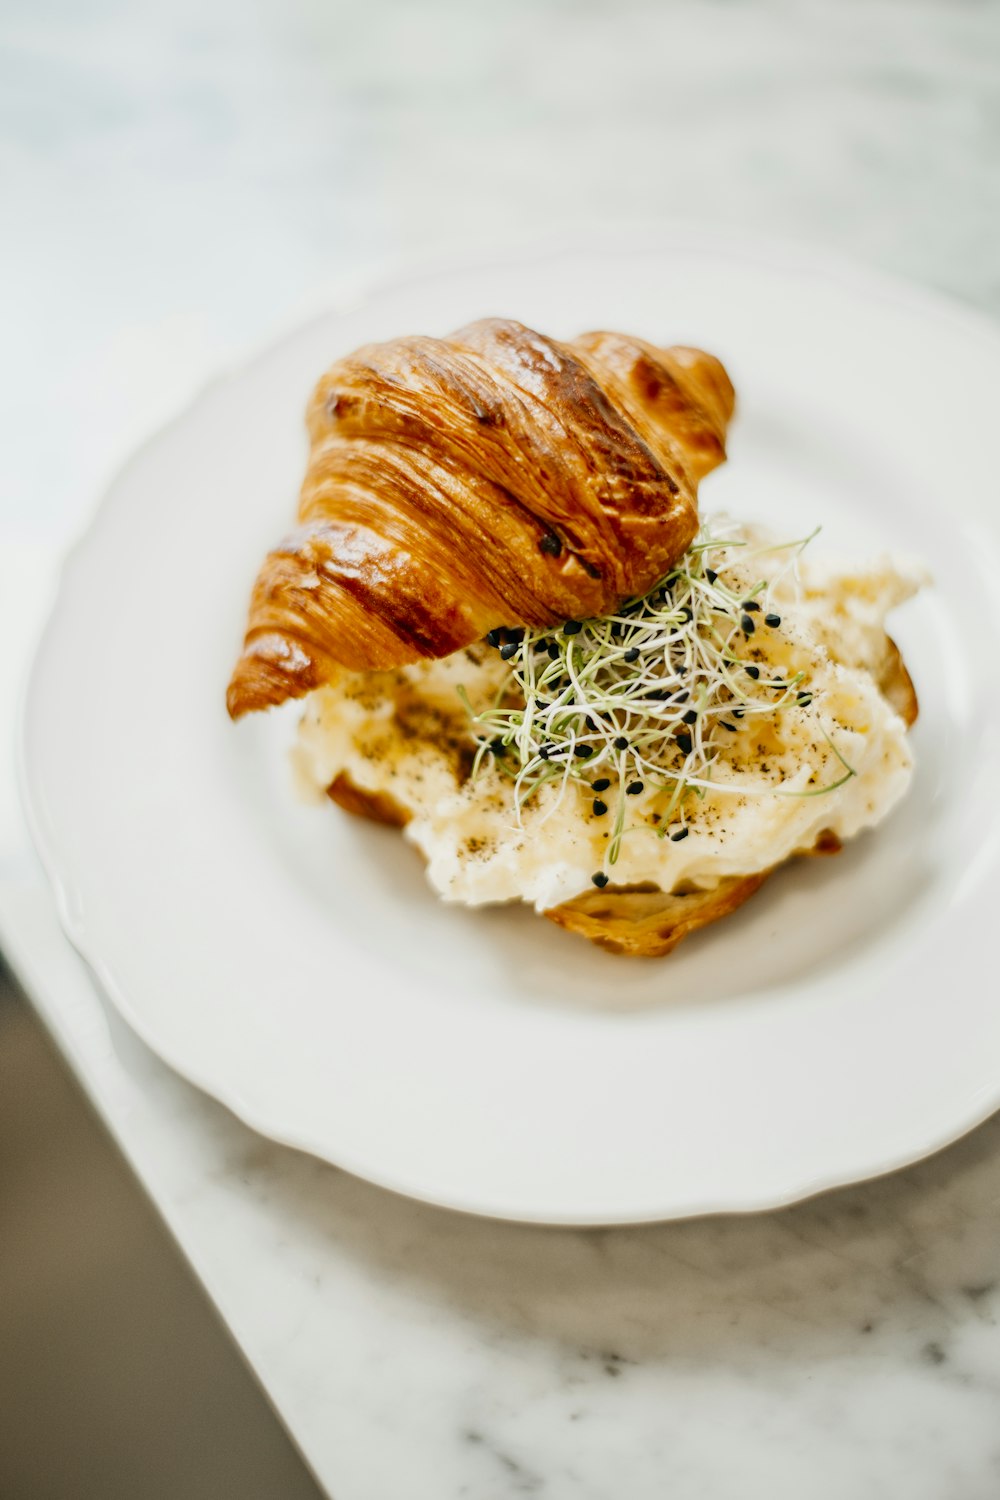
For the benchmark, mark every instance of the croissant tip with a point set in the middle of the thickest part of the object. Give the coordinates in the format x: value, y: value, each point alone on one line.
x: 273, y: 668
x: 235, y: 706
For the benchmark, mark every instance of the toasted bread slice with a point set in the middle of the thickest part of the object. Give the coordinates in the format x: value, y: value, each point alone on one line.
x: 378, y: 807
x: 649, y: 923
x: 643, y: 920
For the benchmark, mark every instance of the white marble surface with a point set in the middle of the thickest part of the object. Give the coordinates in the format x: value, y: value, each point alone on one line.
x: 846, y: 1347
x: 178, y: 182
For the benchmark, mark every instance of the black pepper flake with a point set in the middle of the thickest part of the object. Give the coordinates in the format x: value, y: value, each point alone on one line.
x: 753, y: 672
x: 599, y: 879
x: 746, y: 625
x: 584, y: 752
x: 684, y: 741
x: 632, y: 654
x: 681, y: 833
x: 572, y: 627
x: 550, y: 545
x: 602, y: 784
x: 691, y: 717
x: 493, y: 638
x: 633, y: 789
x: 600, y: 808
x: 621, y: 743
x: 511, y: 649
x: 773, y: 620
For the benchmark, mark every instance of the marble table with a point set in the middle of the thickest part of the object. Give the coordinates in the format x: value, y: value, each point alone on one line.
x: 181, y: 181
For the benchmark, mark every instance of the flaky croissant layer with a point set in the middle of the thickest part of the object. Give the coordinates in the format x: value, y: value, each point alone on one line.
x: 496, y: 477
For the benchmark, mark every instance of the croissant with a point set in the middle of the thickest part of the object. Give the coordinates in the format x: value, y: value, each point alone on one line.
x: 493, y: 478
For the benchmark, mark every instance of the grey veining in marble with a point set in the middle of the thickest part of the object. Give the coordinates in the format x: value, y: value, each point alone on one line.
x: 180, y: 180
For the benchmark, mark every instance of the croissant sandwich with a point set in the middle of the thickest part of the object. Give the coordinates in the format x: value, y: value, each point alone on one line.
x: 518, y: 641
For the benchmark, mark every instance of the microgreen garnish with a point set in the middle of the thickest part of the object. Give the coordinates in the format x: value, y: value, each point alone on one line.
x: 645, y: 698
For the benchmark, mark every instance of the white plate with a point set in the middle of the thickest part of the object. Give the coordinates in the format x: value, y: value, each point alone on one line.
x: 293, y: 962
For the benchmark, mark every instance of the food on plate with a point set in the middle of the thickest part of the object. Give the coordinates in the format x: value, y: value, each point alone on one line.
x: 517, y: 640
x: 492, y: 478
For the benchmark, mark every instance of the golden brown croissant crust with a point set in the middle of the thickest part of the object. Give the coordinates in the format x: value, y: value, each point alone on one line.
x: 496, y: 477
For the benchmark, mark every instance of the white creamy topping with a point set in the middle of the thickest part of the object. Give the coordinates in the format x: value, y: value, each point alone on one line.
x: 405, y: 734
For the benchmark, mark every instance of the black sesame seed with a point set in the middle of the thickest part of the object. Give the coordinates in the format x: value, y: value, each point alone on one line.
x: 659, y: 695
x: 511, y: 649
x: 497, y: 746
x: 773, y: 620
x: 600, y: 879
x: 590, y: 723
x: 621, y: 743
x: 681, y: 833
x: 805, y: 698
x: 542, y: 645
x: 691, y: 717
x: 493, y: 638
x: 726, y: 725
x: 600, y: 808
x: 684, y: 741
x: 632, y: 654
x: 753, y: 672
x: 572, y: 627
x: 550, y: 545
x: 746, y: 625
x: 682, y: 697
x: 738, y: 713
x: 543, y: 751
x: 553, y: 651
x: 584, y: 752
x: 711, y: 574
x: 601, y: 785
x: 633, y: 789
x: 750, y: 605
x: 687, y: 613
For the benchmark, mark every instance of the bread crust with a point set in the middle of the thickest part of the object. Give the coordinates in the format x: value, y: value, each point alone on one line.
x: 490, y: 479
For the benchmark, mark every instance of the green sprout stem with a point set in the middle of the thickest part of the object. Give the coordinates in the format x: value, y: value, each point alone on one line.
x: 651, y: 694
